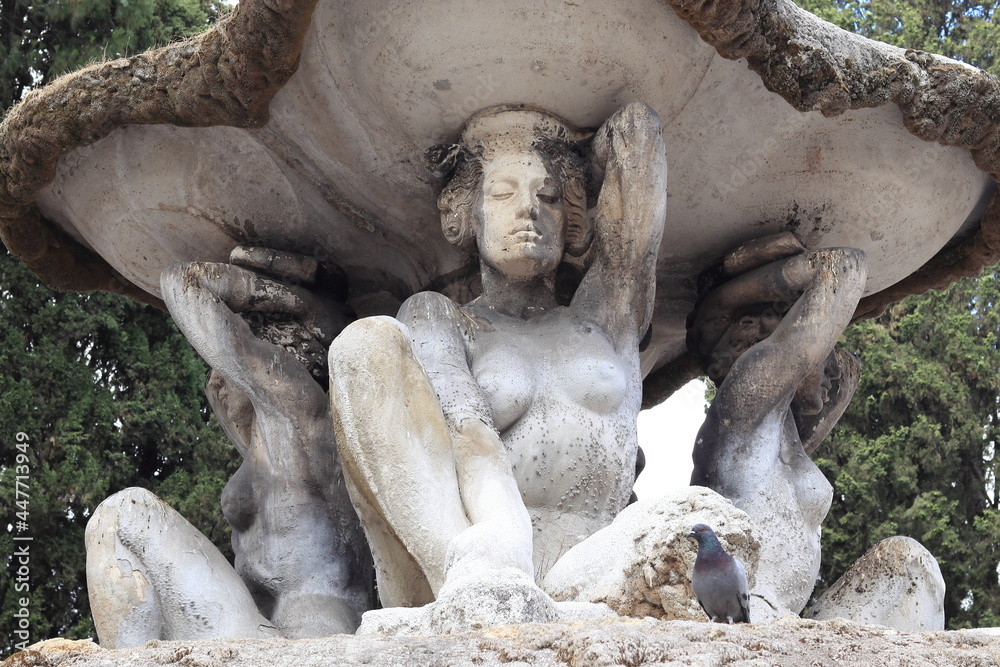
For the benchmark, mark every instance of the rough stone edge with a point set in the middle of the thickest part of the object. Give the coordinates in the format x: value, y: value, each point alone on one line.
x: 788, y: 642
x: 941, y: 100
x: 224, y: 76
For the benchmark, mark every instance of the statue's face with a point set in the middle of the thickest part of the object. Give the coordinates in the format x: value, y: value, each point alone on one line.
x: 814, y: 391
x: 522, y: 217
x: 740, y: 337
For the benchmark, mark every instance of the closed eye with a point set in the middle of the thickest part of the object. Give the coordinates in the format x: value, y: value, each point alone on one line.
x: 501, y: 195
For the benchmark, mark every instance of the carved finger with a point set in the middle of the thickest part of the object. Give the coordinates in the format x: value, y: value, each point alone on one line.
x: 271, y: 296
x: 761, y: 251
x: 242, y: 290
x: 287, y: 266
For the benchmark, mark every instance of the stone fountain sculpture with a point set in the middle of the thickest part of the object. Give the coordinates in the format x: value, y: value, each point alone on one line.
x: 302, y: 566
x: 300, y: 127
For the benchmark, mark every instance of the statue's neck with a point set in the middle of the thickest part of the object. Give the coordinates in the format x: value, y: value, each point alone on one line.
x: 523, y: 299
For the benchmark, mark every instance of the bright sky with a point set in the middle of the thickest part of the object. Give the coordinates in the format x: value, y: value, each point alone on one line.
x: 666, y: 435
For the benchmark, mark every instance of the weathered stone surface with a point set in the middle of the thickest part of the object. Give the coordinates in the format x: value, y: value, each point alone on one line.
x: 897, y: 583
x: 226, y: 76
x: 815, y: 68
x: 477, y: 602
x: 492, y: 436
x: 335, y: 170
x: 788, y: 642
x: 641, y: 564
x: 150, y: 572
x: 772, y: 364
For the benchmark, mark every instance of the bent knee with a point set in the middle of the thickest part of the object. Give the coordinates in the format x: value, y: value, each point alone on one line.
x: 126, y: 501
x: 367, y: 342
x: 132, y: 515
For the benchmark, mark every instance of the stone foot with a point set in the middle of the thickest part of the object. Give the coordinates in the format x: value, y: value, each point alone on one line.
x: 473, y: 602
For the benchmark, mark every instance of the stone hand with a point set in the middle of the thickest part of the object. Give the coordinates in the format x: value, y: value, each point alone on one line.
x: 760, y: 251
x: 281, y: 289
x: 751, y: 301
x: 256, y: 308
x: 286, y: 266
x: 763, y: 280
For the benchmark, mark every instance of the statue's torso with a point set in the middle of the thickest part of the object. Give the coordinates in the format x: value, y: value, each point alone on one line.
x: 565, y: 403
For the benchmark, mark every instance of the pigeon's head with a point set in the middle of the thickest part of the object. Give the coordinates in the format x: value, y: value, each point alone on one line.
x: 703, y: 534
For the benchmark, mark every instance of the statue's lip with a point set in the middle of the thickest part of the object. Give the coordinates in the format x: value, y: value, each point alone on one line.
x: 527, y: 233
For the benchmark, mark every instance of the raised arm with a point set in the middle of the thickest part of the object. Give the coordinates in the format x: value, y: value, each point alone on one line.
x: 628, y: 159
x: 823, y: 287
x: 207, y: 299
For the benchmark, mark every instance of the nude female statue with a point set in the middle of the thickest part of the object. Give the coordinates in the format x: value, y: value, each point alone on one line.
x: 490, y: 437
x: 766, y: 336
x: 302, y: 564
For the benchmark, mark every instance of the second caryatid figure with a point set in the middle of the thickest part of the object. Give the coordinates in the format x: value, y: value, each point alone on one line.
x: 766, y: 336
x: 302, y: 567
x: 481, y: 441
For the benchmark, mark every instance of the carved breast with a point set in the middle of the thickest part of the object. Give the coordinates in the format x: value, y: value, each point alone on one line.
x: 573, y: 365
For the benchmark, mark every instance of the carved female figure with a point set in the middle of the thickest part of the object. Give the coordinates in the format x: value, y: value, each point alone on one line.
x: 766, y: 337
x: 497, y: 434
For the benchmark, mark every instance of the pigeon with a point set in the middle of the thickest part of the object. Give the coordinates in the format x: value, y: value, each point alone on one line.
x: 719, y: 580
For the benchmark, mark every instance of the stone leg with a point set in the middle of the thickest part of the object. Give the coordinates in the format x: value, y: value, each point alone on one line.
x: 397, y: 456
x: 897, y: 583
x: 152, y: 575
x: 399, y: 461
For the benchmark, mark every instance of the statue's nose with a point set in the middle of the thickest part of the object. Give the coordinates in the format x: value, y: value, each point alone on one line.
x: 528, y: 208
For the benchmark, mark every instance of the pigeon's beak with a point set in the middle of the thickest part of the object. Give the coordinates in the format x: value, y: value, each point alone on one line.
x: 691, y: 535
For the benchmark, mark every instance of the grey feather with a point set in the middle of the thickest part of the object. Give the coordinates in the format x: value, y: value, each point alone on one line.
x: 719, y: 580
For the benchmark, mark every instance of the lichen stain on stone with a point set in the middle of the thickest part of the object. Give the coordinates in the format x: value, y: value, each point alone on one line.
x: 224, y: 88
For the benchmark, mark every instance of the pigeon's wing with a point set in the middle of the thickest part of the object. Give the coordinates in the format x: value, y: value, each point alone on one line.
x: 702, y: 605
x: 704, y: 583
x: 744, y: 591
x: 715, y: 587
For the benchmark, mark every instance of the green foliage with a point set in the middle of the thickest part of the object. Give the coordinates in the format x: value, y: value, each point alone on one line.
x: 110, y: 395
x: 915, y: 453
x: 41, y: 40
x: 960, y: 29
